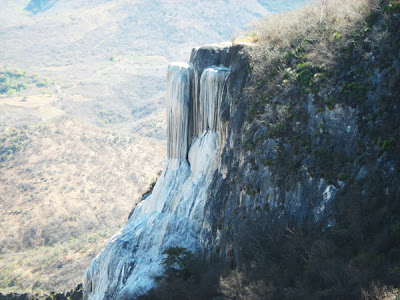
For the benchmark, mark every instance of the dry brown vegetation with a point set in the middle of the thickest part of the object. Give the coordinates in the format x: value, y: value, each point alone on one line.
x: 378, y: 292
x: 313, y: 34
x: 316, y: 19
x: 63, y: 193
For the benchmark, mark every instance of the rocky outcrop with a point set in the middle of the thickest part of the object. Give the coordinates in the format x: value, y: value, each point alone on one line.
x: 246, y: 185
x: 172, y: 216
x: 300, y: 156
x: 226, y: 168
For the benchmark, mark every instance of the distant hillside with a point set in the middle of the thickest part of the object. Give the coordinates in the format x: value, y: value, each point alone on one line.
x: 65, y: 188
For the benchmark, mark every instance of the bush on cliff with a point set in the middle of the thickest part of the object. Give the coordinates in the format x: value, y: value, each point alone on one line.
x: 186, y: 276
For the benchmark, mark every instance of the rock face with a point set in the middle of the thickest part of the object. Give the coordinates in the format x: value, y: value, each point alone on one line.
x: 247, y: 186
x: 174, y: 214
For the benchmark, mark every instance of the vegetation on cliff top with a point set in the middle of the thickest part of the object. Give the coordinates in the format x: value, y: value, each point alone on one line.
x: 333, y: 55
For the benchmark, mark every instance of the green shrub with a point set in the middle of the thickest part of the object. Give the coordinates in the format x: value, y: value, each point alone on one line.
x: 354, y: 91
x: 152, y: 185
x: 11, y: 143
x: 110, y: 117
x: 186, y: 276
x: 393, y: 7
x: 249, y: 145
x: 388, y: 144
x: 176, y: 262
x: 305, y: 77
x: 13, y: 81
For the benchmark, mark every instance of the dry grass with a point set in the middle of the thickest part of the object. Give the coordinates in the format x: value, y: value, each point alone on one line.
x: 379, y: 292
x: 64, y: 191
x: 314, y: 33
x: 59, y: 265
x: 320, y: 16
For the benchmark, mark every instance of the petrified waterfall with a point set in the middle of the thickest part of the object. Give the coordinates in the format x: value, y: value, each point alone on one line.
x: 172, y: 215
x: 178, y: 105
x: 211, y: 85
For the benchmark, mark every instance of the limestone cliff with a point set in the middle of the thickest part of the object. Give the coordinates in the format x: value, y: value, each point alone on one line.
x: 174, y: 213
x: 236, y: 155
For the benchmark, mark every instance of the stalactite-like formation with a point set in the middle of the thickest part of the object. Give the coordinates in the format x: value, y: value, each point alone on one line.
x: 178, y: 106
x: 211, y: 87
x: 188, y: 115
